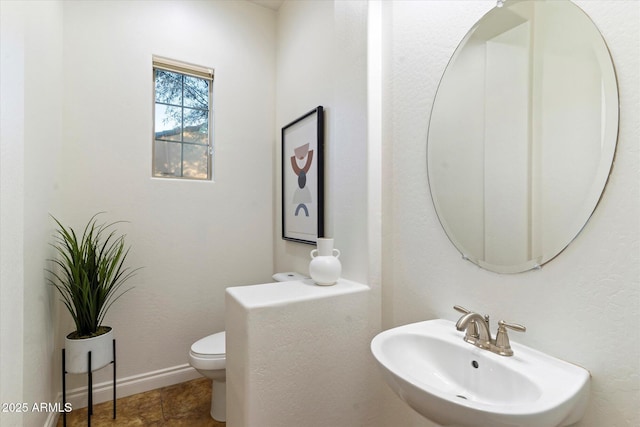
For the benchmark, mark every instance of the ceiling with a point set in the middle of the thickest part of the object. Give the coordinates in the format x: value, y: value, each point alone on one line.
x: 271, y: 4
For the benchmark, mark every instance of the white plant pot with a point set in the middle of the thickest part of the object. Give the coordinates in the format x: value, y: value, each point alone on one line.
x: 77, y: 350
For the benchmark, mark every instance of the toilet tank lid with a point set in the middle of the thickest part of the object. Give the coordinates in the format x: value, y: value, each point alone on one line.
x: 210, y: 345
x: 288, y: 276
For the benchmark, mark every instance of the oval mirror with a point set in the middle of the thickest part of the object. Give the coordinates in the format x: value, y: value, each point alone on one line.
x: 522, y: 134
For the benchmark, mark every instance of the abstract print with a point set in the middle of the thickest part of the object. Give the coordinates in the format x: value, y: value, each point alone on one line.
x: 302, y: 195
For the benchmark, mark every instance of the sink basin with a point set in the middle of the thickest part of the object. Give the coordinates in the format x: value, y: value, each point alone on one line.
x: 453, y: 383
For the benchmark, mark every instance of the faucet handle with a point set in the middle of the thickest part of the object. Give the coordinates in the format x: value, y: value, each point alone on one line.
x: 513, y: 326
x: 503, y: 346
x: 461, y: 309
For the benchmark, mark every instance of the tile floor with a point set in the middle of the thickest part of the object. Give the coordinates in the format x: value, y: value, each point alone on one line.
x: 185, y: 404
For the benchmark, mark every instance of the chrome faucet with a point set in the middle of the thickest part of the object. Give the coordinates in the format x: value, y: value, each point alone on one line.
x: 478, y: 332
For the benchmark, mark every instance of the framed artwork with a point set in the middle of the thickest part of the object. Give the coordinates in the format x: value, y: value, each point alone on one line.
x: 303, y: 178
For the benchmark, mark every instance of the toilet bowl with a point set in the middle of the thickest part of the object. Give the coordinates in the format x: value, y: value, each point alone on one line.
x: 208, y: 356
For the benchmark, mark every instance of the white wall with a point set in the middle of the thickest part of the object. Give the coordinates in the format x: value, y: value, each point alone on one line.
x: 584, y: 305
x: 12, y: 51
x: 322, y: 60
x: 305, y: 39
x: 31, y: 136
x: 43, y: 139
x: 193, y: 239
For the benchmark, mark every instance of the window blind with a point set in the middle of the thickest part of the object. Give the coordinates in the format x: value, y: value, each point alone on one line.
x: 183, y: 68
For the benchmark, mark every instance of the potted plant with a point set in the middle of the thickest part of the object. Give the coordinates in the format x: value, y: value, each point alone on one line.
x: 88, y: 273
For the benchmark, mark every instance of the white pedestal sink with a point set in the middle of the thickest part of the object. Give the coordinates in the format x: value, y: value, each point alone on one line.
x: 453, y: 383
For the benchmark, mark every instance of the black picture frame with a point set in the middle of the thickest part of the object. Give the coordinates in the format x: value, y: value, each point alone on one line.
x: 303, y: 178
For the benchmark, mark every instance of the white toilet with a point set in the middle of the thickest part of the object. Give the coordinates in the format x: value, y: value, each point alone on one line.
x: 208, y: 356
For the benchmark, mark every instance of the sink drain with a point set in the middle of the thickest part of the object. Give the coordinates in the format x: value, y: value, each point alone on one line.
x: 461, y: 396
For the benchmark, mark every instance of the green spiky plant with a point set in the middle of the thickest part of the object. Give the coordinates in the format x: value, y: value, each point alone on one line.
x: 89, y: 273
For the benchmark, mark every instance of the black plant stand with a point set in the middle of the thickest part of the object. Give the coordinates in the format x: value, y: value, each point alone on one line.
x: 89, y: 388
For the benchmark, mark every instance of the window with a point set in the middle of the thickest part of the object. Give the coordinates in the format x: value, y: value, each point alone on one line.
x: 182, y: 142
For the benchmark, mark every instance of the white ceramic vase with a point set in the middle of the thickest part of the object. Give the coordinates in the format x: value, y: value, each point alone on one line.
x: 325, y: 267
x: 77, y: 350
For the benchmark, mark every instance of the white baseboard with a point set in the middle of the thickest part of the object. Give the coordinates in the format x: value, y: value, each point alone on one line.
x: 103, y: 392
